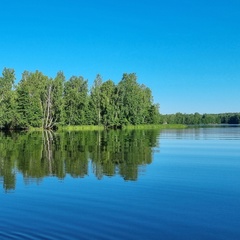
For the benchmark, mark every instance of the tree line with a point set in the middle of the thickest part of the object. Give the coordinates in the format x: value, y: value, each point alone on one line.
x: 196, y: 118
x: 40, y: 101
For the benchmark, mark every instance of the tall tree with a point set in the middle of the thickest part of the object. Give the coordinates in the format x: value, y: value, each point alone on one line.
x: 31, y: 96
x: 146, y: 111
x: 53, y: 102
x: 127, y: 103
x: 134, y: 101
x: 8, y: 114
x: 58, y: 101
x: 107, y: 103
x: 95, y: 100
x: 75, y: 100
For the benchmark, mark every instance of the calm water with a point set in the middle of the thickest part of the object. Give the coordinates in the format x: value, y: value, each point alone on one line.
x: 173, y: 184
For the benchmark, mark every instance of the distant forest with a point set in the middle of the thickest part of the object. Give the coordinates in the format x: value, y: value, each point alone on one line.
x: 40, y: 101
x: 196, y: 118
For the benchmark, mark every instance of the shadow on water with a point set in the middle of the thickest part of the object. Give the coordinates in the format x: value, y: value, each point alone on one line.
x: 35, y: 155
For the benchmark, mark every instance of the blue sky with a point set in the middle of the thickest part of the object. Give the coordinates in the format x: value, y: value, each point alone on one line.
x: 186, y: 51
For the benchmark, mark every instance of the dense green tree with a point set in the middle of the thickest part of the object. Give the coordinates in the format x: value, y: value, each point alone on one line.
x: 58, y: 101
x: 147, y: 110
x: 127, y: 101
x: 53, y: 102
x: 31, y: 98
x: 134, y: 102
x: 234, y: 119
x: 95, y: 100
x: 8, y: 110
x: 75, y: 100
x: 153, y: 115
x: 108, y: 103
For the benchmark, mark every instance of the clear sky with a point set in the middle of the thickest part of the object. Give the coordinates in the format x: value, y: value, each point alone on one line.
x: 186, y: 51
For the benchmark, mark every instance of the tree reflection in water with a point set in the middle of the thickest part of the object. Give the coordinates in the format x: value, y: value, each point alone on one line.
x: 36, y: 155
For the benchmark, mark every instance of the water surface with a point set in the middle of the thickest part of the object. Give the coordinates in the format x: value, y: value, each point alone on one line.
x: 173, y: 184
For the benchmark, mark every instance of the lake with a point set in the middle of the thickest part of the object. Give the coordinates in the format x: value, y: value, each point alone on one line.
x: 168, y: 184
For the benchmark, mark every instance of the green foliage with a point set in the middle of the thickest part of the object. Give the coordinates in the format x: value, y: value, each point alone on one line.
x: 75, y: 101
x: 8, y: 111
x: 95, y: 101
x: 196, y: 118
x: 31, y: 92
x: 134, y: 102
x: 58, y: 100
x: 108, y: 104
x: 42, y: 102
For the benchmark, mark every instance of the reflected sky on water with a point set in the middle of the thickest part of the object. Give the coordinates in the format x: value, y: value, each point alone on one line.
x: 169, y: 184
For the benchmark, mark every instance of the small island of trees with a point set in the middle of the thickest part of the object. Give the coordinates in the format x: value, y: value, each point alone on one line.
x: 39, y: 101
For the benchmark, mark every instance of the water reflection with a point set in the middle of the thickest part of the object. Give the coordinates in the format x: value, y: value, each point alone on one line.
x: 35, y: 155
x: 207, y: 132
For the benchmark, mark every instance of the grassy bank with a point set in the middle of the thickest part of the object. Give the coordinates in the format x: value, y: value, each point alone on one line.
x: 155, y: 126
x: 80, y: 128
x: 128, y: 127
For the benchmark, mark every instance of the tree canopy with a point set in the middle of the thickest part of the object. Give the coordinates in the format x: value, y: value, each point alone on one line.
x: 40, y: 101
